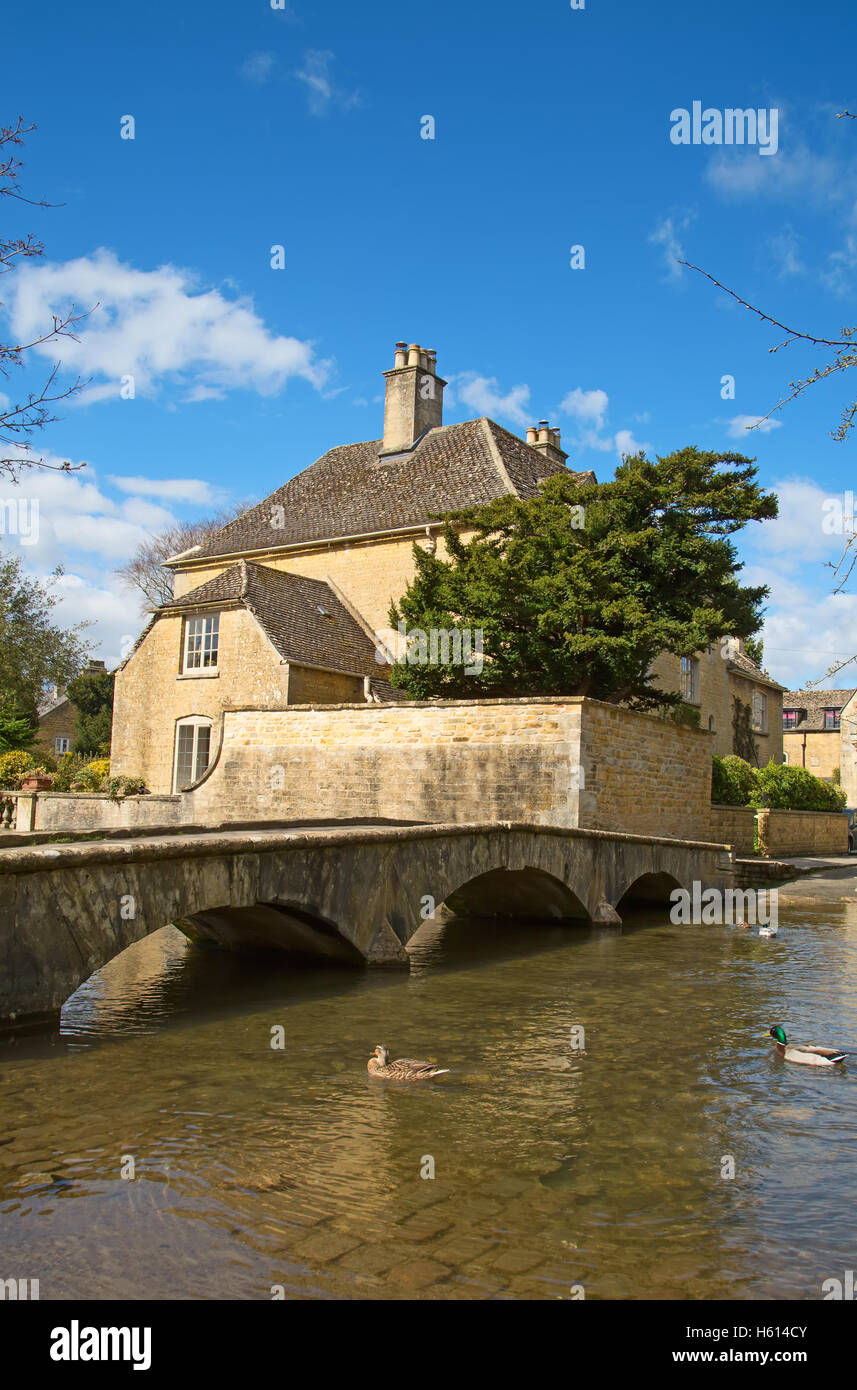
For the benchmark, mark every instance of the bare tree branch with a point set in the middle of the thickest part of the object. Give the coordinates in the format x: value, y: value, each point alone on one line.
x: 19, y: 421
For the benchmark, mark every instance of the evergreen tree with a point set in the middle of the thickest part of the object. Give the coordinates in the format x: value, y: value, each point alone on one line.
x: 578, y: 589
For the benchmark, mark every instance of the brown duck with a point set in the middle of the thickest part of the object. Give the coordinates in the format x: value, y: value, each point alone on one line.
x: 404, y: 1069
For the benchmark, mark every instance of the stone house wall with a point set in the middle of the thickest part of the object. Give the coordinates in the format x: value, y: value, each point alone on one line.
x: 152, y: 694
x: 819, y: 754
x: 57, y: 723
x: 848, y: 750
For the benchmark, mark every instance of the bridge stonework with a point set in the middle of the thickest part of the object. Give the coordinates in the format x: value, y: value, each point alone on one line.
x: 349, y: 894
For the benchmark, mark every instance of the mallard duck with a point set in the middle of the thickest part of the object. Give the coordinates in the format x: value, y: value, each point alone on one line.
x: 769, y: 930
x: 804, y: 1052
x: 404, y: 1069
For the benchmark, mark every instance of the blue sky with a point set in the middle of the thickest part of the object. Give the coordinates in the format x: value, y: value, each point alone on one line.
x: 257, y: 127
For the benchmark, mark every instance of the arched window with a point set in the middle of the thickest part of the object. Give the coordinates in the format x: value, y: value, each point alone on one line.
x: 193, y: 750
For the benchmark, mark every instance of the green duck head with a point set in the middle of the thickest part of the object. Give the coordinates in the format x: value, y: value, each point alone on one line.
x: 778, y: 1034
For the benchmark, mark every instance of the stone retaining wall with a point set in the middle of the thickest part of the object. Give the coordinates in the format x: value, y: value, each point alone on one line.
x: 802, y: 832
x: 734, y: 825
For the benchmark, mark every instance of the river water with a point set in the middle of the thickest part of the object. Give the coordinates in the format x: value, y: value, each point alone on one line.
x: 601, y: 1168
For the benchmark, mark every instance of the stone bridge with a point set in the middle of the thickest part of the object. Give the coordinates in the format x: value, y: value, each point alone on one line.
x: 356, y: 894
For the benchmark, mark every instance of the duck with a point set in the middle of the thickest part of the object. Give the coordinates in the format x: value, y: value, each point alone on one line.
x: 770, y: 930
x: 403, y: 1069
x: 804, y: 1052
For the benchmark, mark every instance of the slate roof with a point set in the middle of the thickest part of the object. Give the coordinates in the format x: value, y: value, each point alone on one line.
x: 814, y: 702
x: 287, y: 608
x: 349, y: 491
x: 745, y: 666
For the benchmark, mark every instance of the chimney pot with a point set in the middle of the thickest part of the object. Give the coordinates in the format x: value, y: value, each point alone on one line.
x: 532, y: 434
x: 414, y: 397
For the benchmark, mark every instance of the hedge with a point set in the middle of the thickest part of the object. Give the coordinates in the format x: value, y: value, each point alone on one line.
x: 735, y: 782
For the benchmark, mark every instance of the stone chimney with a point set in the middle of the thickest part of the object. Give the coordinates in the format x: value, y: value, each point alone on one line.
x: 546, y: 440
x: 414, y: 399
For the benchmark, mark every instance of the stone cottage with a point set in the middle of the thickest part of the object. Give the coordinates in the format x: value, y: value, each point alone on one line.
x: 289, y: 603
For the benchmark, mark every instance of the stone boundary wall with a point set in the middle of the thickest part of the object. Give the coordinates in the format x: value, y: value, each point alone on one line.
x: 92, y: 811
x: 643, y: 774
x: 802, y: 832
x: 561, y: 762
x: 433, y: 761
x: 553, y: 761
x: 734, y: 825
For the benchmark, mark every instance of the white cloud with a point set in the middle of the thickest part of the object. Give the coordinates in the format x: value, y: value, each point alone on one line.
x: 797, y: 535
x: 158, y: 326
x: 589, y: 407
x: 797, y: 173
x: 785, y: 249
x: 806, y: 636
x: 322, y: 91
x: 741, y: 425
x: 81, y: 527
x: 257, y: 68
x: 483, y: 395
x: 176, y: 489
x: 666, y: 235
x: 625, y: 443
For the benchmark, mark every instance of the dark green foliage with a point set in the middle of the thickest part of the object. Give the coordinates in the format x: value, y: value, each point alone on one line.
x: 92, y: 696
x: 735, y: 783
x: 571, y: 609
x: 795, y: 789
x: 743, y: 741
x: 17, y: 730
x: 34, y: 651
x: 755, y: 649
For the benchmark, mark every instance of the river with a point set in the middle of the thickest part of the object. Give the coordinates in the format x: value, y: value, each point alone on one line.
x: 558, y: 1169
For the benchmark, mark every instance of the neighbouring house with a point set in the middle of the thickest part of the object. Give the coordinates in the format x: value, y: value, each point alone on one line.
x: 57, y: 716
x: 811, y: 730
x: 735, y: 699
x: 289, y: 603
x: 848, y: 746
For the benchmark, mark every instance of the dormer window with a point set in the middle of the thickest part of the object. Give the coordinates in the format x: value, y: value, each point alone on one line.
x: 831, y: 718
x: 201, y: 636
x: 791, y: 718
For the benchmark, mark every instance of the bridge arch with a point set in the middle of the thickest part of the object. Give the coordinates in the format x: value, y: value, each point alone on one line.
x: 355, y: 892
x: 649, y: 889
x: 527, y: 894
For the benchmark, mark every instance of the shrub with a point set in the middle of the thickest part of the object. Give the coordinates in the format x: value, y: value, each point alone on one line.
x: 794, y: 789
x: 14, y: 767
x: 125, y: 786
x: 69, y: 768
x: 100, y: 767
x: 733, y: 781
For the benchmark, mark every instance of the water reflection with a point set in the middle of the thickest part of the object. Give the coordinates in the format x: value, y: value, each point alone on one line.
x: 553, y: 1166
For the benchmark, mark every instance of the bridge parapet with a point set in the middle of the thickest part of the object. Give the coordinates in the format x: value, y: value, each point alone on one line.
x: 353, y: 894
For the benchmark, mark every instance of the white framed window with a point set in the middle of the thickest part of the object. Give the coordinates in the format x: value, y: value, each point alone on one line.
x: 690, y: 680
x: 760, y: 712
x: 192, y: 752
x: 62, y: 745
x: 201, y: 639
